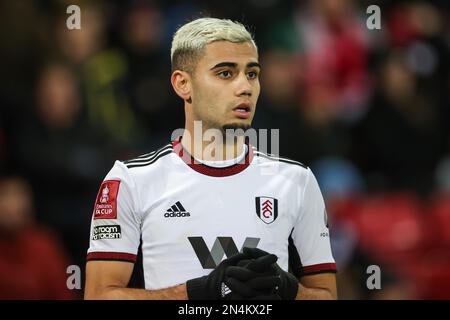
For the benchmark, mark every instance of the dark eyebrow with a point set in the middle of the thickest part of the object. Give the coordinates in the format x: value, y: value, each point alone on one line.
x: 253, y: 64
x: 225, y: 64
x: 234, y: 65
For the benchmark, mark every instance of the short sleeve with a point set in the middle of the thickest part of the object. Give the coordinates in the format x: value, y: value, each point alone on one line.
x: 310, y: 238
x: 115, y: 224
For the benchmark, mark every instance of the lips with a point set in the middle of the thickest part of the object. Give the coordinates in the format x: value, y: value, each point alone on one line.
x: 242, y: 110
x: 244, y: 107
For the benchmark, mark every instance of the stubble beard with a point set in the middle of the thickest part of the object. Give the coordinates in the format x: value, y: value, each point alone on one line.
x: 235, y: 129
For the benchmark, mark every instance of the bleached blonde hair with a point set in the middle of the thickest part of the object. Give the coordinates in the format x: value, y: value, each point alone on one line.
x: 190, y: 39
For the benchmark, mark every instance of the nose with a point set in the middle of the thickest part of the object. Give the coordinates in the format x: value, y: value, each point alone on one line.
x: 243, y: 86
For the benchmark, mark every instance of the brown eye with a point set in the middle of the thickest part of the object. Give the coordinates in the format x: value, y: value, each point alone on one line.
x: 225, y: 74
x: 252, y: 75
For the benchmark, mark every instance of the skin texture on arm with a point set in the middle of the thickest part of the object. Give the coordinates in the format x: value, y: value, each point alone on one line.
x: 317, y: 287
x: 108, y: 280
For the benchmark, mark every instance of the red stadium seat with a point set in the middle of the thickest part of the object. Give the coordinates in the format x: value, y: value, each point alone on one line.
x: 439, y: 215
x: 344, y: 208
x: 390, y: 227
x: 430, y: 276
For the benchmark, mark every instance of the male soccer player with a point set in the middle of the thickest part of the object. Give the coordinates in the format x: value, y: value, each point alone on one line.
x: 194, y: 210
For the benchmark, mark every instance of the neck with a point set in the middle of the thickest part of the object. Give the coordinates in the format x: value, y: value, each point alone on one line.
x: 217, y: 147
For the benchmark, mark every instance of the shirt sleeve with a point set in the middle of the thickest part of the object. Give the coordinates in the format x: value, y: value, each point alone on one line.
x: 310, y: 239
x: 115, y: 225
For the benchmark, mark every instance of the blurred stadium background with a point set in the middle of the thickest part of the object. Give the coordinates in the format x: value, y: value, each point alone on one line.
x: 367, y: 110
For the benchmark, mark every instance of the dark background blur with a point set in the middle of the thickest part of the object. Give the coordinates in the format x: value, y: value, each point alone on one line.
x: 367, y: 110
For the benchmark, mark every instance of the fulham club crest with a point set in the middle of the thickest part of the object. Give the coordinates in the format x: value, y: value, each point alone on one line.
x: 267, y: 209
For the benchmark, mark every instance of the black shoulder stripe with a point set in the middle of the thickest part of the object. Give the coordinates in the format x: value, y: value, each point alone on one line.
x: 155, y: 156
x: 150, y: 157
x: 160, y: 155
x: 285, y: 160
x: 147, y: 155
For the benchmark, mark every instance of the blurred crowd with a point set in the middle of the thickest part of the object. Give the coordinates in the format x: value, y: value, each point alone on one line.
x: 367, y: 110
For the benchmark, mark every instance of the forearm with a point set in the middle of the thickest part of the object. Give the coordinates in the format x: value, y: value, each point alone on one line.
x: 118, y: 293
x: 305, y: 293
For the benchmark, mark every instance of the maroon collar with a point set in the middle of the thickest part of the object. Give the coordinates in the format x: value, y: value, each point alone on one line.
x: 211, y: 171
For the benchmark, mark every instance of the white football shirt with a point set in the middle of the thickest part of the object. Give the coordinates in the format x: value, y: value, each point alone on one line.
x: 189, y: 216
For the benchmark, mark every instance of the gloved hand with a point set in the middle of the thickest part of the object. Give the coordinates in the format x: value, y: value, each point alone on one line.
x: 211, y: 287
x: 253, y: 279
x: 288, y: 283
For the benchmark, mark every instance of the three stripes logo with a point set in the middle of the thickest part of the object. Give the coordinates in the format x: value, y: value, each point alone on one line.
x: 176, y: 211
x: 222, y: 246
x: 224, y: 290
x: 267, y: 209
x: 149, y: 158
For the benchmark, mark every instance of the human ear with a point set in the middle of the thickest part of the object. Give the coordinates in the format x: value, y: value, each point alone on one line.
x: 181, y: 83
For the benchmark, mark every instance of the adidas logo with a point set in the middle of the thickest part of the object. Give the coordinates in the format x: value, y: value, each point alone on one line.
x: 224, y: 290
x: 176, y: 211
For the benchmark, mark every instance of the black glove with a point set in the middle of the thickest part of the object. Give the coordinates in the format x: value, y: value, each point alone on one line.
x: 288, y: 285
x: 212, y: 287
x: 253, y: 279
